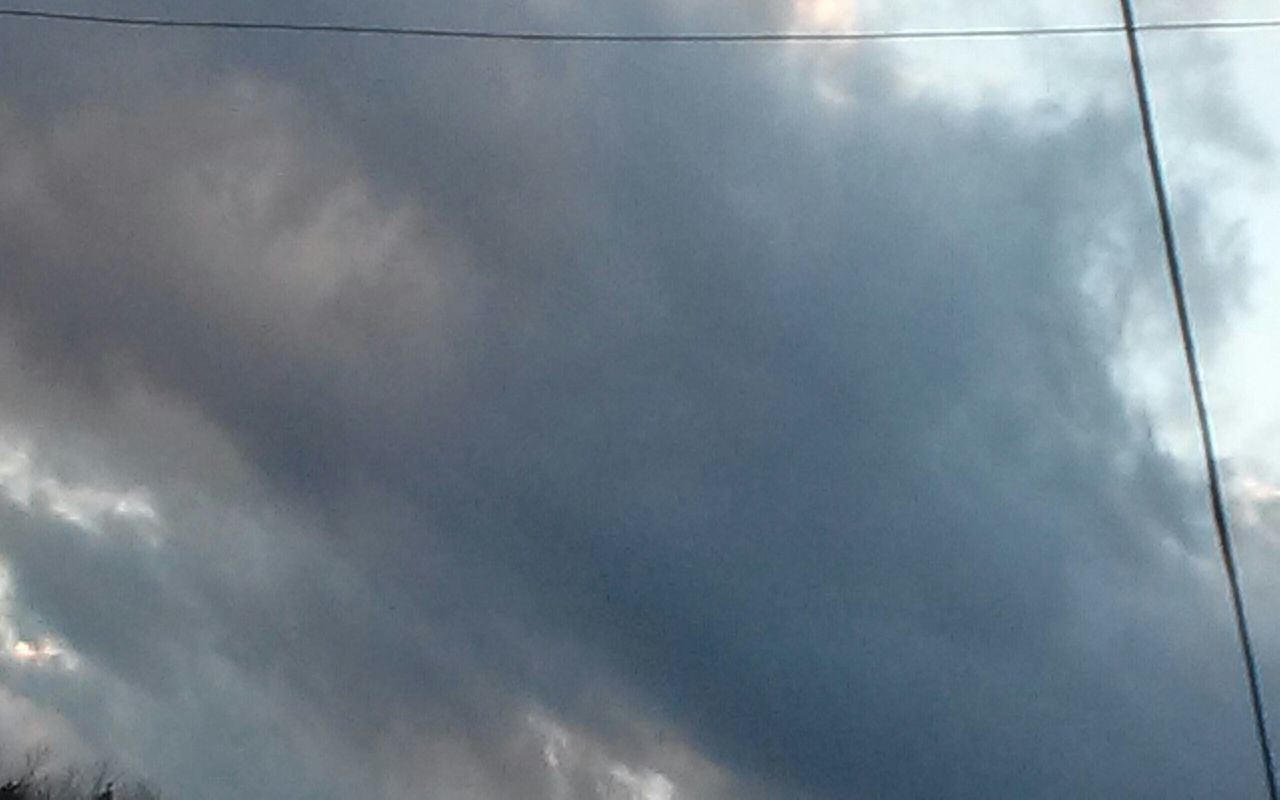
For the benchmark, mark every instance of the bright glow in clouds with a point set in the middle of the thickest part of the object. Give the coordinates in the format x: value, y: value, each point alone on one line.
x: 565, y: 754
x: 827, y: 15
x: 641, y: 786
x: 1251, y: 496
x: 84, y: 506
x: 42, y: 651
x: 1258, y: 491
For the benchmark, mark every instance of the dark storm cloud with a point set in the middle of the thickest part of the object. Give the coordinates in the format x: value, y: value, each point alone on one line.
x: 645, y: 369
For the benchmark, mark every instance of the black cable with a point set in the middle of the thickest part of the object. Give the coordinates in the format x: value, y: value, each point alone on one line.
x: 623, y: 38
x: 1197, y: 392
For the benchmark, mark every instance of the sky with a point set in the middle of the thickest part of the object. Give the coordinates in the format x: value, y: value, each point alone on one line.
x: 476, y: 420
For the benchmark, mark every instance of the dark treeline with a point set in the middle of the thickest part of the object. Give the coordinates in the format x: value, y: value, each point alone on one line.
x: 33, y: 780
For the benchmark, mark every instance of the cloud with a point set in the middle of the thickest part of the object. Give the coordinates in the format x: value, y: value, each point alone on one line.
x: 747, y: 443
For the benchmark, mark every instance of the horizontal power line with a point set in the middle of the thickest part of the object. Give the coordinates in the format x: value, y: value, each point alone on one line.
x: 631, y: 38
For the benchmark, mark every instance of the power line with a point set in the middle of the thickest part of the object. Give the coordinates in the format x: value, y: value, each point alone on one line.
x: 1197, y: 392
x: 629, y: 38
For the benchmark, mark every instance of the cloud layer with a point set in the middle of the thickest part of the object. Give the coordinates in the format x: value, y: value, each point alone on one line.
x: 598, y: 423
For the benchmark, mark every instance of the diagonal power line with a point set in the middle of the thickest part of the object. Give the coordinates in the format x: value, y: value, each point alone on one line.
x: 1216, y: 501
x: 626, y: 38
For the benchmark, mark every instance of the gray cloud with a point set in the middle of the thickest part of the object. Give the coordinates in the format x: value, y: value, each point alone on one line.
x: 766, y: 443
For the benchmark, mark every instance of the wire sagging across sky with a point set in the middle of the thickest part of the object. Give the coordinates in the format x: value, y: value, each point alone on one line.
x: 629, y: 38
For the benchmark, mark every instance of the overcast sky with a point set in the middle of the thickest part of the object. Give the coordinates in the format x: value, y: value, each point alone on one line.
x: 399, y: 419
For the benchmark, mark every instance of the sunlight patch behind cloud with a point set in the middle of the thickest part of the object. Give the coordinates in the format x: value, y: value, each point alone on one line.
x: 43, y: 651
x: 825, y: 15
